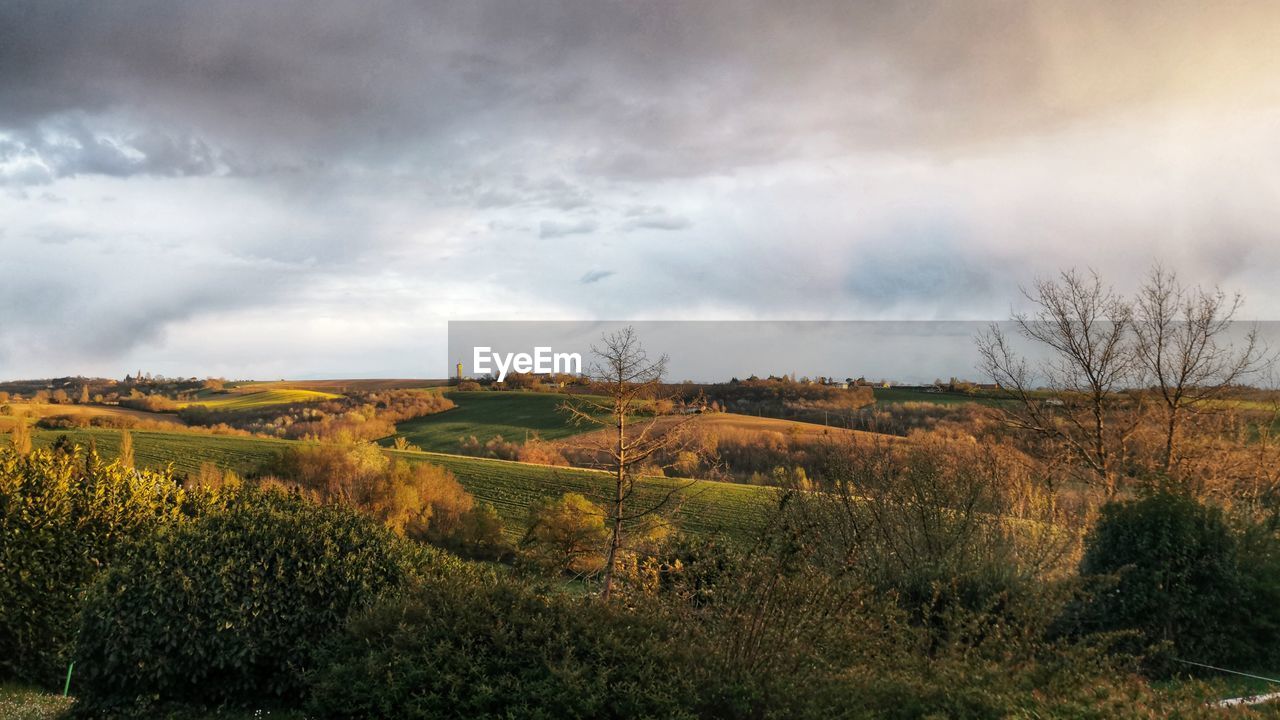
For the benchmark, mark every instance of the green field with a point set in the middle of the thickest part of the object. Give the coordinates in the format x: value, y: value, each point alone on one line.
x: 513, y: 415
x: 704, y: 507
x: 903, y: 395
x: 259, y: 398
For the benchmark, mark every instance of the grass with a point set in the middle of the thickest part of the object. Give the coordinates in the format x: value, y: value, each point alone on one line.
x: 18, y: 702
x: 254, y: 399
x: 22, y: 703
x: 1213, y: 686
x: 35, y: 411
x: 513, y: 415
x: 903, y: 395
x: 185, y: 451
x: 704, y: 507
x: 350, y: 385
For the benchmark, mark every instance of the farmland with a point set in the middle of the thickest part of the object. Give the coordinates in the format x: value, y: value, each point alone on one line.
x: 513, y: 415
x: 703, y: 507
x: 906, y: 395
x: 40, y: 410
x: 253, y: 399
x: 344, y: 386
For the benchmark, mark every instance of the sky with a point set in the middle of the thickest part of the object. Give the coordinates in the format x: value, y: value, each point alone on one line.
x: 311, y: 189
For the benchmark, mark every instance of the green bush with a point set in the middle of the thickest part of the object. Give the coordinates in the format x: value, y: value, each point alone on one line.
x: 1177, y: 572
x: 454, y: 649
x: 64, y: 517
x: 566, y: 535
x: 229, y: 608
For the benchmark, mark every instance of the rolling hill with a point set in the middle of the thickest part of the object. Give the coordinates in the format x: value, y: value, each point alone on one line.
x: 40, y: 410
x: 514, y: 415
x: 702, y: 507
x: 251, y: 398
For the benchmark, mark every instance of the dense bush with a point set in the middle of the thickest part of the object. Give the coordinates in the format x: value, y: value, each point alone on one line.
x: 780, y: 631
x: 462, y: 650
x: 63, y: 422
x: 64, y: 517
x: 1178, y: 572
x: 729, y: 634
x: 355, y: 416
x: 150, y: 403
x: 229, y: 608
x: 936, y: 523
x: 532, y: 450
x: 566, y: 535
x: 422, y: 501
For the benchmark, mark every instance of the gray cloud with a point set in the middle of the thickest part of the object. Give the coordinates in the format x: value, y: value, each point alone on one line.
x: 654, y: 218
x: 558, y: 229
x: 595, y: 276
x: 332, y: 164
x: 636, y: 90
x: 65, y: 147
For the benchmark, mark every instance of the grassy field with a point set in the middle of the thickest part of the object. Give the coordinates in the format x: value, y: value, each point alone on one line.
x: 35, y: 411
x: 18, y: 702
x: 23, y: 703
x: 903, y: 395
x: 251, y: 398
x: 517, y: 415
x: 185, y: 451
x: 343, y: 386
x: 513, y: 415
x: 703, y: 507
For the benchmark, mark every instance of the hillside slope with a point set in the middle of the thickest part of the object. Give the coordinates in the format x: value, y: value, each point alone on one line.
x: 701, y: 507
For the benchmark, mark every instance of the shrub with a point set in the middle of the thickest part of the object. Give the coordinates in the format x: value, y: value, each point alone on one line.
x: 63, y: 422
x: 937, y: 524
x: 421, y: 500
x: 466, y: 649
x: 231, y: 607
x: 150, y: 403
x: 566, y: 535
x: 1175, y: 570
x: 64, y: 516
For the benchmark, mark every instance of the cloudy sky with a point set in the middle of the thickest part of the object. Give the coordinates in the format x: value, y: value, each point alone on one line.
x: 294, y: 189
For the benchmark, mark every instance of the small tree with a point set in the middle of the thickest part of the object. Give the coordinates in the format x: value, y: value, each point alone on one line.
x: 21, y: 436
x: 566, y: 535
x: 84, y: 394
x: 125, y: 457
x: 629, y: 380
x: 1183, y: 346
x: 1084, y: 329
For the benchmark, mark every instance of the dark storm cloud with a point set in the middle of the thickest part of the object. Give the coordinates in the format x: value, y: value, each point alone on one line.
x: 636, y: 90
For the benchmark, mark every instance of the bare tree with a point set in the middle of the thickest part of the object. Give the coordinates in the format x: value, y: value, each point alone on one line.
x: 631, y: 382
x: 1073, y: 395
x: 1183, y: 345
